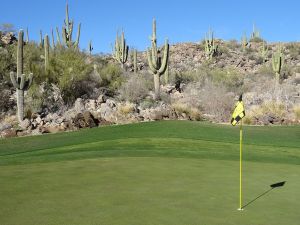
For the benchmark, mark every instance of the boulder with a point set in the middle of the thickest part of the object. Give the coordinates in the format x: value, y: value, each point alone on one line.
x: 84, y: 120
x: 5, y: 126
x: 79, y: 105
x: 25, y: 123
x: 8, y: 133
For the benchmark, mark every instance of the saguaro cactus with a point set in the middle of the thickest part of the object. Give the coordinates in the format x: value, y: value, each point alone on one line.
x: 120, y: 50
x: 41, y: 40
x: 211, y: 48
x: 21, y: 82
x: 255, y: 33
x: 90, y: 47
x: 53, y: 40
x: 157, y: 63
x: 27, y: 36
x: 67, y: 31
x: 277, y: 62
x: 47, y: 47
x: 57, y: 36
x: 135, y: 61
x: 264, y: 51
x: 244, y: 42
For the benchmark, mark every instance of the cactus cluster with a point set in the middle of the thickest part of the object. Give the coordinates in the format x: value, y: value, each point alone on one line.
x: 211, y: 48
x: 277, y: 62
x: 157, y: 59
x: 67, y: 32
x: 120, y: 49
x: 21, y: 82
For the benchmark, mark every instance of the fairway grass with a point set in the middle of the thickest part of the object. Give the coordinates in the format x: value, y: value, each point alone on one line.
x: 170, y: 172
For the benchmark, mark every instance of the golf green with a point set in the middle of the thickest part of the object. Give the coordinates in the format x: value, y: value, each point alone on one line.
x: 169, y: 172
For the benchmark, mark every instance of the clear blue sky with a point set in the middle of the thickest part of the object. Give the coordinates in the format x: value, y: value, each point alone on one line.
x: 180, y: 21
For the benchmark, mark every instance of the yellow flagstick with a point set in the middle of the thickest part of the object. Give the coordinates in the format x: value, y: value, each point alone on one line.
x: 241, y: 153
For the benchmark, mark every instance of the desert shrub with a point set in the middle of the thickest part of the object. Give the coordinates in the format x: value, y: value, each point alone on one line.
x: 228, y: 77
x: 5, y: 102
x: 184, y: 108
x: 272, y: 107
x: 34, y: 99
x: 111, y: 76
x: 256, y: 40
x: 126, y: 108
x: 232, y: 44
x: 68, y: 69
x: 296, y: 111
x: 266, y: 69
x: 147, y: 103
x: 293, y: 49
x: 259, y: 113
x: 135, y: 88
x: 7, y: 62
x: 34, y: 62
x: 213, y: 99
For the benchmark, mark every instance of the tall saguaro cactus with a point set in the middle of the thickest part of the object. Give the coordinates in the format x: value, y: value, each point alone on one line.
x: 255, y: 32
x: 67, y: 31
x: 57, y: 37
x: 157, y: 63
x: 264, y: 51
x: 277, y: 62
x: 91, y: 47
x: 53, y: 40
x: 135, y: 61
x: 20, y: 82
x: 120, y: 50
x: 41, y: 40
x: 47, y: 48
x: 211, y: 47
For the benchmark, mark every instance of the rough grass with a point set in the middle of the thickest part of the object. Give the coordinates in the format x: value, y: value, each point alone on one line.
x: 171, y: 172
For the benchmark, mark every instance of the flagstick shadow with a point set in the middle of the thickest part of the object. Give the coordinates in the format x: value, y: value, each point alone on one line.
x: 261, y: 195
x: 273, y: 186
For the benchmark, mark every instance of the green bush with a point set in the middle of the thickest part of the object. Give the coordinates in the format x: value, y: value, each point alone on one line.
x: 111, y: 76
x: 228, y: 77
x: 7, y: 62
x: 67, y: 68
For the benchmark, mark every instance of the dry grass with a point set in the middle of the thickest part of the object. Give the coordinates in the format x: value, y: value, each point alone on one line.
x: 192, y: 112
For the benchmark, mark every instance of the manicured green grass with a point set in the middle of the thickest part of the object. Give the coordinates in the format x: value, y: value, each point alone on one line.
x: 170, y: 172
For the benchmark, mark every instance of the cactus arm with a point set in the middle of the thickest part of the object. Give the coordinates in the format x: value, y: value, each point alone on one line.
x: 163, y: 66
x: 57, y: 36
x: 78, y: 35
x: 27, y: 35
x: 150, y: 62
x: 20, y: 54
x: 22, y: 82
x: 53, y: 41
x: 13, y: 80
x: 64, y: 36
x: 29, y: 81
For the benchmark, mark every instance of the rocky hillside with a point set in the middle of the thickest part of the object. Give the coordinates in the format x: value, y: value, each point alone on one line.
x: 198, y: 88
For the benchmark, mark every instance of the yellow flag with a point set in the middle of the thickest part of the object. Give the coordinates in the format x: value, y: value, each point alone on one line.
x: 239, y: 112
